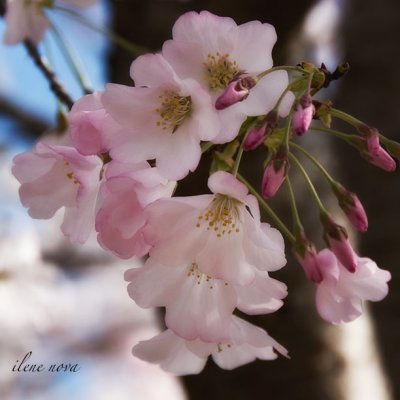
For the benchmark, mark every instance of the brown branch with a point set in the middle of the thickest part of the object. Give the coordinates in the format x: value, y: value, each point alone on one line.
x: 42, y: 64
x: 32, y: 125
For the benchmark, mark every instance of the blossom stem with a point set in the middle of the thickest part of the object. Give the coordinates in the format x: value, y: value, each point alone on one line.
x: 278, y: 222
x: 279, y: 68
x: 315, y: 162
x: 287, y: 131
x: 310, y: 78
x: 333, y: 132
x: 119, y: 40
x: 278, y: 103
x: 309, y: 184
x: 355, y: 141
x: 72, y: 60
x: 297, y: 225
x: 60, y: 106
x: 237, y: 160
x: 42, y: 64
x: 206, y: 146
x: 346, y: 117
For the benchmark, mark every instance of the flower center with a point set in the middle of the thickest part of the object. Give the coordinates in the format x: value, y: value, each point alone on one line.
x: 220, y: 70
x: 173, y: 110
x: 193, y: 272
x: 221, y: 348
x: 222, y: 216
x: 70, y: 175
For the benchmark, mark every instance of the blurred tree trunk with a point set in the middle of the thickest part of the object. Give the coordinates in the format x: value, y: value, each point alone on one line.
x: 371, y: 32
x: 312, y: 372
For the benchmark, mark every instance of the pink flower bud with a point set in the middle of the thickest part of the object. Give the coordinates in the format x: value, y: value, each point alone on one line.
x: 237, y: 91
x: 260, y: 131
x: 306, y: 255
x: 310, y: 265
x: 303, y: 115
x: 337, y: 240
x: 356, y: 214
x: 274, y: 175
x: 351, y: 205
x: 375, y: 153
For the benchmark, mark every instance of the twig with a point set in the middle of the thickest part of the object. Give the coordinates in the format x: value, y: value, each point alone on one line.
x: 33, y: 125
x: 42, y: 64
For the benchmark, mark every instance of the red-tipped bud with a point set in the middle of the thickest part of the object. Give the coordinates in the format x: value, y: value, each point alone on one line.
x: 337, y: 240
x: 377, y: 154
x: 372, y: 150
x: 306, y: 255
x: 274, y: 175
x: 237, y: 91
x: 303, y: 115
x: 351, y: 205
x: 260, y: 131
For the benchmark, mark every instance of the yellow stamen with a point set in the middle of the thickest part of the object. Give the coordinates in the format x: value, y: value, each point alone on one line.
x: 219, y: 71
x: 222, y: 216
x: 173, y: 110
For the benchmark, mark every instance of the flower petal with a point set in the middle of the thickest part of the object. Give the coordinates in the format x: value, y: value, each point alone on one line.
x: 152, y: 70
x: 225, y: 183
x: 262, y: 296
x: 171, y: 353
x: 264, y: 96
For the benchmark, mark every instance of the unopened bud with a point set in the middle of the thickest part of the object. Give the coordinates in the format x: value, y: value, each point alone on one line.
x: 351, y: 205
x: 376, y: 154
x: 303, y: 115
x: 237, y: 91
x: 371, y: 149
x: 392, y: 147
x: 260, y: 131
x: 337, y: 239
x: 306, y: 255
x: 274, y: 175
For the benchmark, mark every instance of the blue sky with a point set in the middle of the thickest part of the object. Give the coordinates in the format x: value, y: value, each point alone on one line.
x: 22, y: 83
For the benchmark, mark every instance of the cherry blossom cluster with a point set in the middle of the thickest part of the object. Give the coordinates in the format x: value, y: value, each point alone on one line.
x: 212, y: 86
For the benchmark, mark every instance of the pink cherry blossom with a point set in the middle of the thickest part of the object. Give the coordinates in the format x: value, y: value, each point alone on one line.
x: 26, y: 19
x: 216, y: 51
x: 127, y: 190
x: 91, y: 129
x: 221, y: 233
x: 166, y: 117
x: 197, y: 305
x: 341, y: 293
x: 53, y: 177
x: 210, y: 255
x: 183, y: 357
